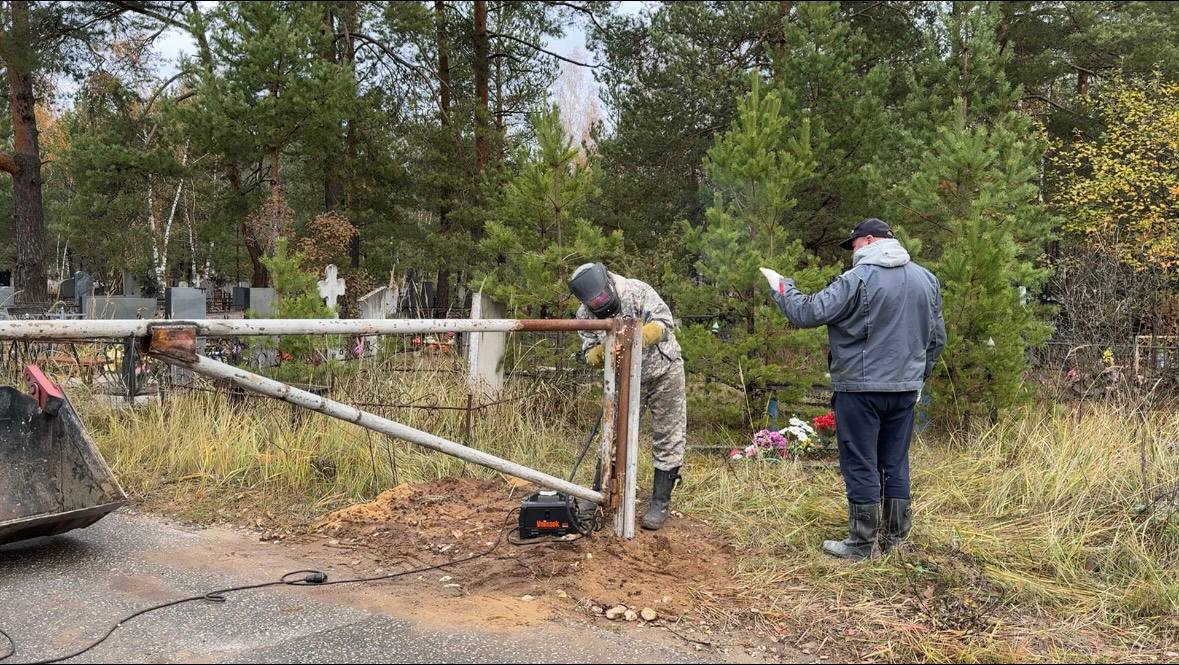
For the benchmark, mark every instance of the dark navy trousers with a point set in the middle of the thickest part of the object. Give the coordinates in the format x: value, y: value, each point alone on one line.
x: 874, y: 432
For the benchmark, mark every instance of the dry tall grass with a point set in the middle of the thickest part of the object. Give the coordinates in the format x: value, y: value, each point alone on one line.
x: 1033, y: 538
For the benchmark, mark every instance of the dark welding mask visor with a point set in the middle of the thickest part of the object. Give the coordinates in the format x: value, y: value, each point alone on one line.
x: 591, y: 284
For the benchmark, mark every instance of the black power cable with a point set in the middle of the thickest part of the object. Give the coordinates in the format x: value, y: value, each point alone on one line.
x: 11, y: 645
x: 585, y: 447
x: 310, y: 578
x: 319, y: 578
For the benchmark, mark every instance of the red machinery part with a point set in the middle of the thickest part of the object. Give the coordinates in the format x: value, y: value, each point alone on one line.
x: 47, y: 393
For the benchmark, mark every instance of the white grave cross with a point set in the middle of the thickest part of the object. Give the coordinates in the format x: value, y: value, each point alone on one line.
x: 331, y: 287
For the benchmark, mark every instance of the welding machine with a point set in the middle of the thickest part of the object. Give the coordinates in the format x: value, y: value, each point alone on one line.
x: 549, y: 513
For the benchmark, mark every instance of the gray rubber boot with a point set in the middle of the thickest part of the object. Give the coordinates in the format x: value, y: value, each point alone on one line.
x: 898, y: 522
x: 863, y: 525
x: 660, y: 501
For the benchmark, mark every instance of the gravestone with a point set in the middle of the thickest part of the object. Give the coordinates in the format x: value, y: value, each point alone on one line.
x: 261, y: 357
x: 184, y: 303
x: 420, y: 298
x: 331, y: 287
x: 379, y: 303
x: 67, y: 291
x: 7, y: 298
x: 83, y: 286
x: 263, y: 301
x: 119, y: 307
x: 485, y: 351
x: 131, y: 285
x: 241, y: 298
x: 409, y: 296
x: 428, y: 303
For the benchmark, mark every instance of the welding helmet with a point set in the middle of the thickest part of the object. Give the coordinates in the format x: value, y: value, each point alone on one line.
x: 592, y: 285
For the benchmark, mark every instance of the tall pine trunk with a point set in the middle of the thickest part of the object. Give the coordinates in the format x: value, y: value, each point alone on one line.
x: 24, y: 165
x: 482, y: 76
x: 442, y: 293
x: 500, y: 123
x: 779, y: 38
x: 333, y: 183
x: 348, y: 57
x: 261, y: 276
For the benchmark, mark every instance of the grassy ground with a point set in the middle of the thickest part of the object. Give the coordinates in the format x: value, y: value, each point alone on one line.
x: 1034, y: 538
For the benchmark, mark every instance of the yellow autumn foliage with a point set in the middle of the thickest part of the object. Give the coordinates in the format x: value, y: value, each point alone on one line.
x: 1119, y: 191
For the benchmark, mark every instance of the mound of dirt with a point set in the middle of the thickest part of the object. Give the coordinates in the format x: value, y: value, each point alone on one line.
x: 453, y: 518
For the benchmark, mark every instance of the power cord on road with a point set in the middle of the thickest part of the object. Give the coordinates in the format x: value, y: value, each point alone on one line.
x: 319, y: 578
x: 314, y: 578
x: 11, y: 645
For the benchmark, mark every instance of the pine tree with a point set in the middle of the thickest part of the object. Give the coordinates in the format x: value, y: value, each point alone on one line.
x: 754, y: 170
x: 538, y: 233
x: 972, y: 199
x: 672, y: 82
x: 126, y: 164
x: 298, y: 298
x: 827, y: 72
x: 271, y: 95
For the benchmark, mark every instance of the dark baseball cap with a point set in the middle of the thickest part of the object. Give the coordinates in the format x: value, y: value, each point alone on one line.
x: 868, y: 227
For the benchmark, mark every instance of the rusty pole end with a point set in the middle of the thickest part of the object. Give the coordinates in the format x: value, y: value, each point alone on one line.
x: 171, y: 340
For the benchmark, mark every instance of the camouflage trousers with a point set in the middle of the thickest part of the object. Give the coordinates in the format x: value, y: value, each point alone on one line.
x: 666, y: 399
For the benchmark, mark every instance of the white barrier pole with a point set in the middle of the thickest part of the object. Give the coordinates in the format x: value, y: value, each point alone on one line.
x: 278, y: 390
x: 106, y: 329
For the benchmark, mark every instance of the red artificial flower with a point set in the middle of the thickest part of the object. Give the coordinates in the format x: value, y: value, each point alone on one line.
x: 824, y: 422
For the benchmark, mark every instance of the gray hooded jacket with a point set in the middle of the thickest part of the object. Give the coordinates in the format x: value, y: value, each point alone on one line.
x: 883, y: 317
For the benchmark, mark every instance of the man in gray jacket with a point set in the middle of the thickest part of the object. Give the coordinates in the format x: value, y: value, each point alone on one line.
x: 885, y: 329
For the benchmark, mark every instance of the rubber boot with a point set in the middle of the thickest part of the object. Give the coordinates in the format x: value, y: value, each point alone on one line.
x: 660, y: 501
x: 863, y: 525
x: 898, y: 521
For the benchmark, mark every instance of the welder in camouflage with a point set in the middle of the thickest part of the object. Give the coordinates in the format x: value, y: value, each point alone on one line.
x: 603, y: 295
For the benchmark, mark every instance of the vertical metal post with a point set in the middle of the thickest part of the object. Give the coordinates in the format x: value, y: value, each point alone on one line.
x: 621, y: 422
x: 609, y: 424
x: 129, y: 347
x: 467, y: 429
x: 474, y: 342
x: 630, y: 377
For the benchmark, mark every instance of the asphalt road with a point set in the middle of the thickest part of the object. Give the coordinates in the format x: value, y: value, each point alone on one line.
x: 58, y: 594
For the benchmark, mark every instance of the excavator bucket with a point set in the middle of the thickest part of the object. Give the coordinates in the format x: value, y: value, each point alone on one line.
x: 52, y: 478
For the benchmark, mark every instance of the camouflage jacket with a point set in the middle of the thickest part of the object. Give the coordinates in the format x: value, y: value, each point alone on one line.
x: 641, y: 302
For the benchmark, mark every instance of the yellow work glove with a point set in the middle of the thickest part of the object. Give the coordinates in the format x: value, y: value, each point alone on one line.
x: 652, y: 333
x: 595, y: 356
